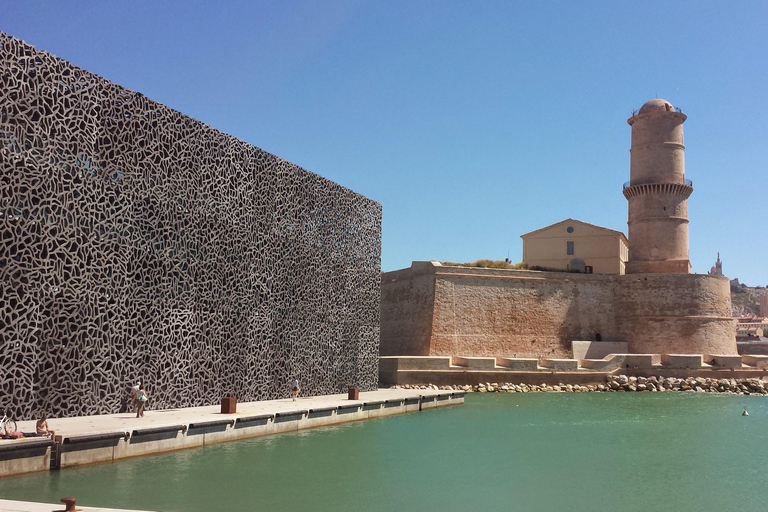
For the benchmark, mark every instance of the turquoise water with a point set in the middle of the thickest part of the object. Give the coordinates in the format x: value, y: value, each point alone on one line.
x: 527, y: 452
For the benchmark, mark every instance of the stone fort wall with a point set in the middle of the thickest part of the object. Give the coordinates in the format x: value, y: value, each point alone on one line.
x: 490, y: 312
x: 138, y: 243
x: 435, y: 310
x: 688, y: 312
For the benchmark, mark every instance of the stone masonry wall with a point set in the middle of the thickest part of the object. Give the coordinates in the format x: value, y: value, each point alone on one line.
x: 519, y: 313
x: 507, y: 313
x: 487, y: 312
x: 407, y: 302
x: 675, y: 313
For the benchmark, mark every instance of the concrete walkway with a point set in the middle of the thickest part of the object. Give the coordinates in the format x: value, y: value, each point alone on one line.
x: 111, y: 437
x: 89, y: 425
x: 29, y: 506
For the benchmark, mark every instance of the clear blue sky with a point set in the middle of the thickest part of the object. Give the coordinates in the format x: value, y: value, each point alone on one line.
x: 470, y: 122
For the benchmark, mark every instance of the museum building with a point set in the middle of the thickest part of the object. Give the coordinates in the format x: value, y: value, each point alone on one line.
x: 137, y: 243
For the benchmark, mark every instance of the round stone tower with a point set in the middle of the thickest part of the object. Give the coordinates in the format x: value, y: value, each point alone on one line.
x: 661, y: 308
x: 657, y: 192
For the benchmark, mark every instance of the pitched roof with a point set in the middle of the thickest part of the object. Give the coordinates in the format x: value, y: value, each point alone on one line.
x: 574, y: 221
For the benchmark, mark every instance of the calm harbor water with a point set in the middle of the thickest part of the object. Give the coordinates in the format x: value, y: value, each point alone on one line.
x: 527, y: 452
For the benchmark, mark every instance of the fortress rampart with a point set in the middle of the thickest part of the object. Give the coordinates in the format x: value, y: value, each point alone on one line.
x: 433, y: 310
x: 681, y: 313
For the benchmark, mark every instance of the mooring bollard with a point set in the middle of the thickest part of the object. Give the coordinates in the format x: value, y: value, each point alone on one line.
x: 228, y: 405
x: 70, y: 504
x: 354, y: 394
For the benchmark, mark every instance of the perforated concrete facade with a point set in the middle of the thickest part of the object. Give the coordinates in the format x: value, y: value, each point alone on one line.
x: 138, y: 243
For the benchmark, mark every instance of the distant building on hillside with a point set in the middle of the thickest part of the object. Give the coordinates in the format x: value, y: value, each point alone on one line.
x: 751, y: 326
x: 576, y: 245
x: 753, y: 332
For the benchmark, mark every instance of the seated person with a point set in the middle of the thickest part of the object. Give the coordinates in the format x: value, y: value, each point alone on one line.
x: 42, y: 427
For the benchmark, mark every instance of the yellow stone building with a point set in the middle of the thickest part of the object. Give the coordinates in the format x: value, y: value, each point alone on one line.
x: 576, y: 245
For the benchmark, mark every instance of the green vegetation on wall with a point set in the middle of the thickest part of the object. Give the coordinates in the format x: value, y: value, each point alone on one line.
x: 500, y: 264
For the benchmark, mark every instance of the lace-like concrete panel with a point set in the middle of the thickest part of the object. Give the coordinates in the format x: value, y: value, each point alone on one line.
x: 138, y: 243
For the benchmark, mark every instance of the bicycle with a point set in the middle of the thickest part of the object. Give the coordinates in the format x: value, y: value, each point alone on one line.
x: 7, y: 424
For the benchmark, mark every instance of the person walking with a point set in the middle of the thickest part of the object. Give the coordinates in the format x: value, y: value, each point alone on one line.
x: 295, y: 389
x: 141, y: 400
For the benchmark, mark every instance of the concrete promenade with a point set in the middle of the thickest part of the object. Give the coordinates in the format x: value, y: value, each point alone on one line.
x: 109, y: 437
x: 29, y: 506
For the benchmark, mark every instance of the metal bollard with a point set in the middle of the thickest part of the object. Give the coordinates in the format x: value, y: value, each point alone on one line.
x: 70, y: 504
x: 228, y: 405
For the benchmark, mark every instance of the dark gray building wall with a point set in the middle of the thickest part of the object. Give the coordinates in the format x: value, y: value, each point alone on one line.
x: 138, y: 243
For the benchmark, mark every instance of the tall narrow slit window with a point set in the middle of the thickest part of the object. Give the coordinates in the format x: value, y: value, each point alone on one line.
x: 569, y: 248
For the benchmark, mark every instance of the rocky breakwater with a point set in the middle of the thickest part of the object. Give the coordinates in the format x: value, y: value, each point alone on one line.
x: 619, y: 383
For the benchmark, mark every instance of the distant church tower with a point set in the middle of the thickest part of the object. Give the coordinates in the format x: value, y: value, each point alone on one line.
x: 717, y: 270
x: 657, y: 192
